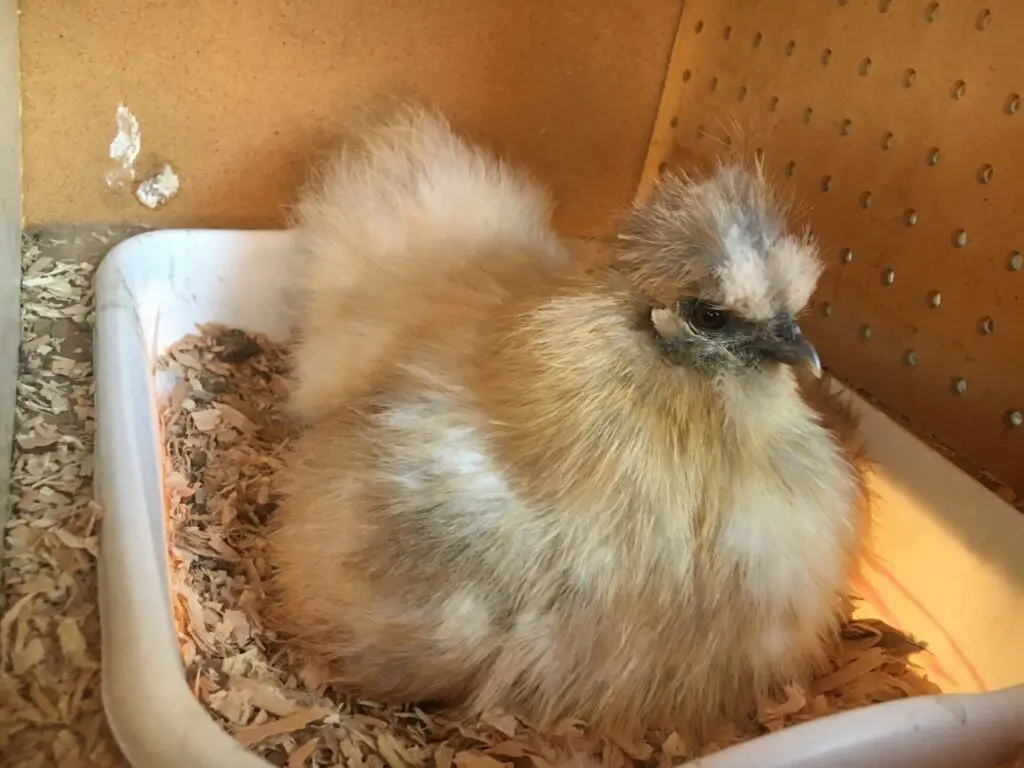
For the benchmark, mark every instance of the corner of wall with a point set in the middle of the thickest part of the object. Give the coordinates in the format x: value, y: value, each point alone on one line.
x: 10, y: 239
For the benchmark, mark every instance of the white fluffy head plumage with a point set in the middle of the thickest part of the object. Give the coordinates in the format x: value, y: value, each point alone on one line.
x: 725, y: 237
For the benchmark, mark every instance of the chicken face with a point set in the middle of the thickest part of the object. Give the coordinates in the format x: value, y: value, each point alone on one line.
x: 723, y: 277
x: 697, y: 333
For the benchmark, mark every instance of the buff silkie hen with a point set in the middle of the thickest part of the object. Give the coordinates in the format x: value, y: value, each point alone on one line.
x: 554, y: 487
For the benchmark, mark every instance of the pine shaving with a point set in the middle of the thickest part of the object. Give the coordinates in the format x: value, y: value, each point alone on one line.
x: 51, y: 713
x: 226, y: 433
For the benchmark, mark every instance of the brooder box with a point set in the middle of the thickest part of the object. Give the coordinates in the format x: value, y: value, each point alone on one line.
x: 899, y: 123
x: 943, y: 540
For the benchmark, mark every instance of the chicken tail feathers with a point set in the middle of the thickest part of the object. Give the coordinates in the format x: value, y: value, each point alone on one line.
x: 404, y: 186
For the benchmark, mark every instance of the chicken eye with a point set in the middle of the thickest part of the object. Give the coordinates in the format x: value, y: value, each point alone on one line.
x: 707, y: 318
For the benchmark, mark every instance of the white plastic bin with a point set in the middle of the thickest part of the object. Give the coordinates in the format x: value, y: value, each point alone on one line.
x: 950, y: 571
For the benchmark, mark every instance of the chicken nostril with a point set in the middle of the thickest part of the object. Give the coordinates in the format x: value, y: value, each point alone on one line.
x: 788, y: 334
x: 785, y: 329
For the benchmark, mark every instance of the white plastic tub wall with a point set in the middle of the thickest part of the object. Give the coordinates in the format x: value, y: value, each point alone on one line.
x: 950, y: 570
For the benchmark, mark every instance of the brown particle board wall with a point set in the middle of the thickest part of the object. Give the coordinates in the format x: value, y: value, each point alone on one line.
x: 237, y: 95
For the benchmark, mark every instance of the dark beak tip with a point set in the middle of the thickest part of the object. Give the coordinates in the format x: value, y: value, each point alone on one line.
x: 800, y: 353
x: 808, y: 358
x: 814, y: 366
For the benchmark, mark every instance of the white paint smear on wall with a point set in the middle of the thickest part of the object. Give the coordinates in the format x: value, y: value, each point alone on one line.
x: 157, y: 190
x: 125, y: 148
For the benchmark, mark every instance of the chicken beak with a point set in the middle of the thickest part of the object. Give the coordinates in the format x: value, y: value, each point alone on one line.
x: 799, y: 353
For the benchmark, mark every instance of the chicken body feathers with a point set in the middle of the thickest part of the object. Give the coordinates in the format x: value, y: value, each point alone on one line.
x: 504, y: 497
x: 403, y: 209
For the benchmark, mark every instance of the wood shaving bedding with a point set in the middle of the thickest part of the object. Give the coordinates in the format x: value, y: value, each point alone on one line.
x: 51, y: 714
x: 225, y: 433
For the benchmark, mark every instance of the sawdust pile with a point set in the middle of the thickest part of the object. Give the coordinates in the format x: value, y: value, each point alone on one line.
x: 225, y: 434
x: 51, y: 715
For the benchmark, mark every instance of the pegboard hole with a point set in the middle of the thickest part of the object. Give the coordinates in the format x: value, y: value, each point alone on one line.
x: 826, y: 56
x: 932, y: 158
x: 983, y: 20
x: 846, y: 256
x: 790, y: 47
x: 987, y: 325
x: 727, y: 33
x: 931, y: 13
x: 826, y: 183
x: 713, y: 84
x: 845, y: 127
x: 757, y: 40
x: 698, y: 27
x: 1016, y: 262
x: 910, y: 217
x: 934, y: 299
x: 865, y: 67
x: 985, y: 174
x: 1015, y: 418
x: 1013, y: 104
x: 959, y: 238
x: 909, y: 77
x: 807, y: 114
x: 884, y: 6
x: 826, y: 309
x: 910, y: 357
x: 759, y: 155
x: 673, y: 122
x: 959, y: 386
x: 790, y: 168
x: 958, y: 91
x: 866, y: 199
x: 662, y: 167
x: 687, y: 74
x: 887, y: 138
x: 701, y: 131
x: 888, y: 276
x: 773, y: 103
x: 742, y: 94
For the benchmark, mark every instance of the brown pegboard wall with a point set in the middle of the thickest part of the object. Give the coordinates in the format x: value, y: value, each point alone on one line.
x: 900, y: 125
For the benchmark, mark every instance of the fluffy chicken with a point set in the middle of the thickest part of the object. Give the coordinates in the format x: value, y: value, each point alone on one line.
x: 548, y: 485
